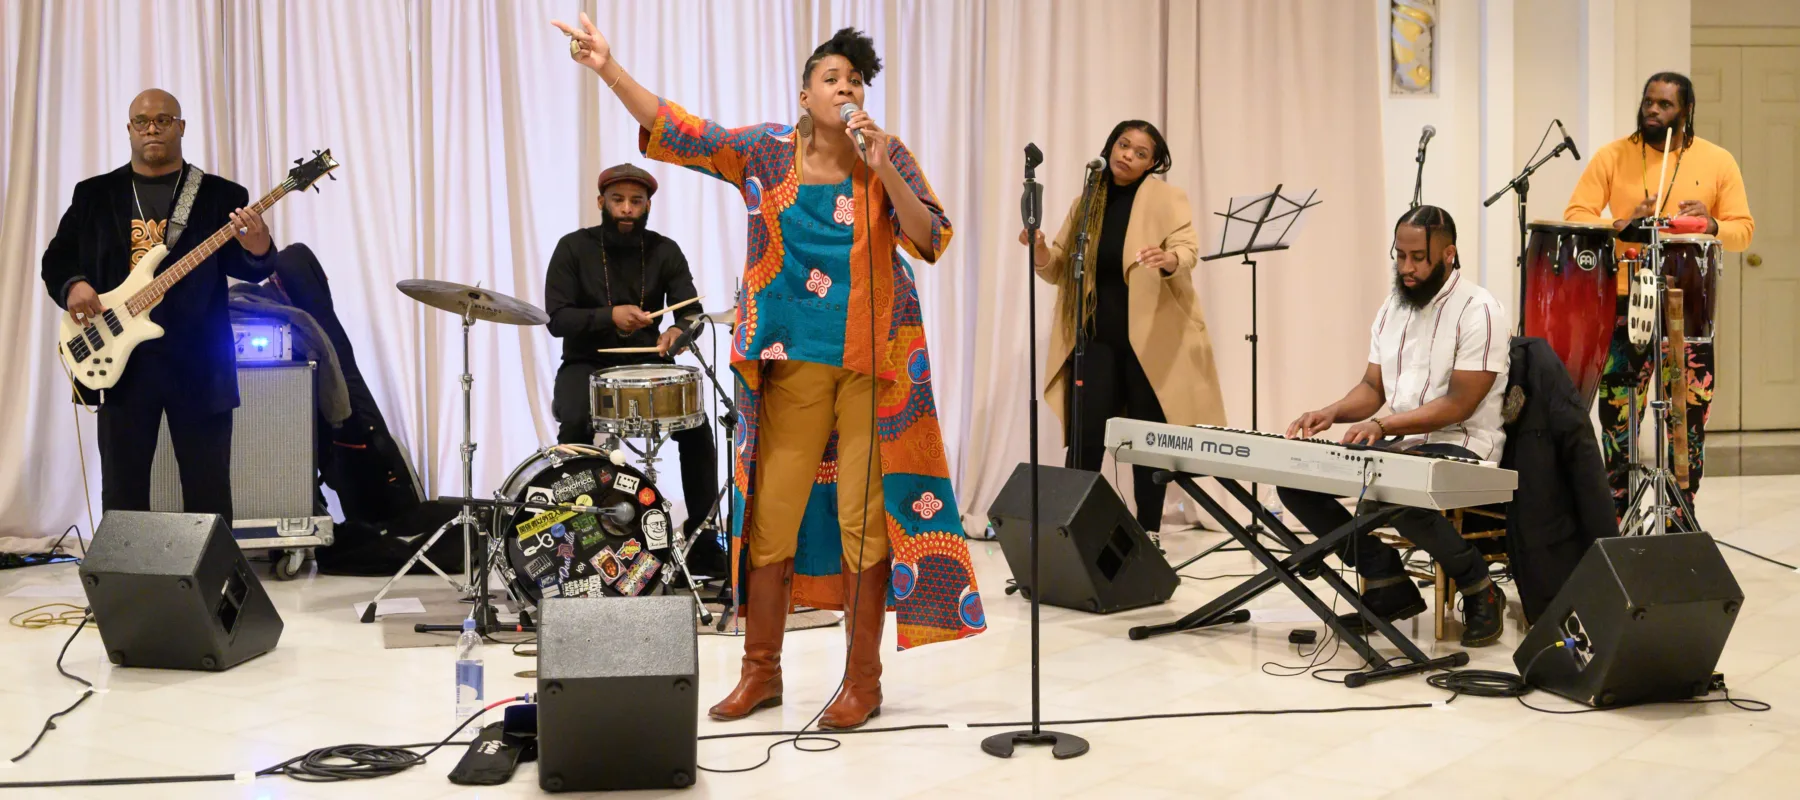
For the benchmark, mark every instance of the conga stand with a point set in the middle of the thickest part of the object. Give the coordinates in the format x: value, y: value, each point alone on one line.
x: 1668, y: 503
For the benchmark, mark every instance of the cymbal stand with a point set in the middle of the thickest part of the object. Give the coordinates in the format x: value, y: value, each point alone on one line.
x: 1655, y: 480
x: 465, y: 518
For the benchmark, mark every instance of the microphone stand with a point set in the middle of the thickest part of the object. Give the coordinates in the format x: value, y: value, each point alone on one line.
x: 1062, y: 745
x: 1521, y: 187
x: 1419, y: 176
x: 729, y: 419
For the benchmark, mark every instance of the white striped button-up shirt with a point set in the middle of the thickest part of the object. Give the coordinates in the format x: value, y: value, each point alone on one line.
x: 1463, y: 329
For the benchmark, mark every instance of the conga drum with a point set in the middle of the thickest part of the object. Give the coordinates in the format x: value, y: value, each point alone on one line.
x: 1692, y: 262
x: 1571, y: 296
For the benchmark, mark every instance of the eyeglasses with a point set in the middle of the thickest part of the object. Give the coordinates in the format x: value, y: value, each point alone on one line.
x: 163, y: 122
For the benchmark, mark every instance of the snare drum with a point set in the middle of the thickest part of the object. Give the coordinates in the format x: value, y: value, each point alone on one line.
x: 624, y: 551
x: 1692, y: 262
x: 1571, y: 296
x: 647, y: 400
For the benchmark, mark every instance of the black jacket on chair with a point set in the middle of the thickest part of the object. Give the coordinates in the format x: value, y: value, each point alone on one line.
x: 194, y: 363
x: 1563, y: 502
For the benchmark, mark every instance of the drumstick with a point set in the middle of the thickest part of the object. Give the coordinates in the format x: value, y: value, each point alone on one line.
x: 1678, y: 390
x: 655, y: 314
x: 1668, y: 139
x: 629, y: 350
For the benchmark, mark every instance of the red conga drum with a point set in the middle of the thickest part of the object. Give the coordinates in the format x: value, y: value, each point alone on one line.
x: 1571, y: 296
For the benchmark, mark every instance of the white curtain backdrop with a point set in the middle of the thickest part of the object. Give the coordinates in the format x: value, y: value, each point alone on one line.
x: 470, y: 144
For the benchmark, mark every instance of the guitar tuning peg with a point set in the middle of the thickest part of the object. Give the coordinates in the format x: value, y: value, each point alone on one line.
x: 331, y: 176
x: 299, y: 161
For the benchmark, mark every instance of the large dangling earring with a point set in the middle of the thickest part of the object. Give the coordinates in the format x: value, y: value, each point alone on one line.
x: 805, y: 125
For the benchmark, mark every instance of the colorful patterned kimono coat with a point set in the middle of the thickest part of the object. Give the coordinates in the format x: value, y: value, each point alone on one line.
x: 805, y: 299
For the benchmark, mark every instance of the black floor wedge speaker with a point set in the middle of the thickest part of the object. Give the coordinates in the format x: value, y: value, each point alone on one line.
x: 1093, y: 556
x: 618, y: 693
x: 173, y: 591
x: 1642, y: 619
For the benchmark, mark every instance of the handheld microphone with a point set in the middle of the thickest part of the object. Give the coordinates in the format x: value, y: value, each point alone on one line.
x: 1096, y: 165
x: 844, y: 111
x: 1567, y: 140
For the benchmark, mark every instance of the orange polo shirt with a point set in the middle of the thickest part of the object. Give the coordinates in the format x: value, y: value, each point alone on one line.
x: 1619, y: 176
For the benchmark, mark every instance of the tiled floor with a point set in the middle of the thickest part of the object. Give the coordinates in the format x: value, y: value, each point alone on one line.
x: 331, y: 682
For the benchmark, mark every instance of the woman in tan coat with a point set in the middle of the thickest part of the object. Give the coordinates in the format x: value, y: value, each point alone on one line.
x: 1148, y: 356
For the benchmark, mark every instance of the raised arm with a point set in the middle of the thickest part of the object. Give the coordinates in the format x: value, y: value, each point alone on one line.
x: 591, y: 50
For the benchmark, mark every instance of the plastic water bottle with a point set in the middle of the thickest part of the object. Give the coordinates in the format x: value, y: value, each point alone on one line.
x: 468, y: 673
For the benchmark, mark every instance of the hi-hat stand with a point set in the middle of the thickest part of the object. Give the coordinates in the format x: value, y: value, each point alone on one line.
x: 1668, y: 509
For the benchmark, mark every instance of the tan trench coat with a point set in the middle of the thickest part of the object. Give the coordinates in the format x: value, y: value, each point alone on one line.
x: 1167, y: 328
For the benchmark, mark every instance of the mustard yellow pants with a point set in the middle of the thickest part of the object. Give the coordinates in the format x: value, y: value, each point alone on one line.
x: 802, y: 403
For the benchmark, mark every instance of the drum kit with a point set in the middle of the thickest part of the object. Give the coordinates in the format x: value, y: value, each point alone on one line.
x: 1577, y: 286
x: 573, y: 520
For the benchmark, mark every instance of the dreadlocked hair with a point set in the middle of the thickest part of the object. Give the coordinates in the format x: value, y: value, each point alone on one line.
x: 1435, y: 221
x: 1684, y: 88
x: 854, y: 46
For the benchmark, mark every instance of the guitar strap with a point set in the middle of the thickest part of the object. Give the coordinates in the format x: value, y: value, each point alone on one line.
x: 184, y: 205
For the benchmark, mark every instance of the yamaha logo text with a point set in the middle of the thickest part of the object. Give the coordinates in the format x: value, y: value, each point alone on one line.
x: 1187, y: 444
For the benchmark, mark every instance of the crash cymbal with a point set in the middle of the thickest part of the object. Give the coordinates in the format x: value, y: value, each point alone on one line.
x: 482, y: 304
x: 728, y: 317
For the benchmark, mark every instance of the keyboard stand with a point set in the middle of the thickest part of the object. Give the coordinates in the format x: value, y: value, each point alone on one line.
x: 1229, y: 607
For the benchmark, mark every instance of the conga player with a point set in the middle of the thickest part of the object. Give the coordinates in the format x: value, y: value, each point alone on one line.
x: 1702, y: 184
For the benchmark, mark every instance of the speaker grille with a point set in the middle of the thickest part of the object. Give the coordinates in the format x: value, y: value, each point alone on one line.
x: 273, y: 473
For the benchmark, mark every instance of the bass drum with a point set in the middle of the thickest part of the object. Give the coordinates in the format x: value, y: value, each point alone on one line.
x: 623, y: 551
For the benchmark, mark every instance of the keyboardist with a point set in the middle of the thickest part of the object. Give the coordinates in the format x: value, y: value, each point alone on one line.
x: 1439, y: 347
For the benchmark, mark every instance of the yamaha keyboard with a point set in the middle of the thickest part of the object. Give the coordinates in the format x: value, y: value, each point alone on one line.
x: 1420, y: 481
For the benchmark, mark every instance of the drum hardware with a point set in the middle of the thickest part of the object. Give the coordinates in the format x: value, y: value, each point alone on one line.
x: 1655, y: 480
x: 721, y: 512
x: 471, y: 303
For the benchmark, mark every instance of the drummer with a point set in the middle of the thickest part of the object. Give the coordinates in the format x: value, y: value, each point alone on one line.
x: 1703, y: 188
x: 601, y: 284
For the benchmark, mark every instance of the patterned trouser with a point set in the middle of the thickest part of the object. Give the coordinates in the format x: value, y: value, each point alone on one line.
x: 1627, y: 367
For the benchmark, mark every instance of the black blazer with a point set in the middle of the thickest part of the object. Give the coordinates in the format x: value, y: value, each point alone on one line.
x: 1563, y: 502
x: 194, y: 365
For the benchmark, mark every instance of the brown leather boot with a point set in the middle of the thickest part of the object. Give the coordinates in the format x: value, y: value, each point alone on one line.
x: 860, y: 698
x: 765, y: 621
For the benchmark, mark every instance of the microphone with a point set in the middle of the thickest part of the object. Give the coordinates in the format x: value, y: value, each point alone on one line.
x: 1096, y: 165
x: 620, y: 514
x: 844, y: 111
x: 1425, y: 138
x: 688, y: 334
x: 1567, y: 141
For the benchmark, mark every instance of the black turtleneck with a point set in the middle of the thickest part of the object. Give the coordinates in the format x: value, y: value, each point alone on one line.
x: 593, y: 270
x: 1112, y: 307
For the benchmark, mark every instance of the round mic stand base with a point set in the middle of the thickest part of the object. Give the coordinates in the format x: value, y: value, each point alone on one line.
x: 1062, y: 745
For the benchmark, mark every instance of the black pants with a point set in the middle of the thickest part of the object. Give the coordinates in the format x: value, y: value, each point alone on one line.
x: 1112, y: 384
x: 1374, y: 559
x: 128, y: 429
x: 699, y: 455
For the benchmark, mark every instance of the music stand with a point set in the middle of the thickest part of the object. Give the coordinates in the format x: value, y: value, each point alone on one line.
x: 1260, y: 223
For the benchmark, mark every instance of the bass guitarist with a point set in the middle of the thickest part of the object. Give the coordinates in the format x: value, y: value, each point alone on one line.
x: 190, y: 373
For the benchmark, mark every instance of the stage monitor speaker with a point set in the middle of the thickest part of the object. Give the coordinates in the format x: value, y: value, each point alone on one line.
x: 618, y: 703
x: 1648, y: 617
x: 1093, y: 555
x: 173, y: 591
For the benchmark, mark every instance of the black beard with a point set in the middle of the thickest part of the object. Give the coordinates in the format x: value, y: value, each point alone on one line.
x: 617, y: 235
x: 1653, y: 133
x: 1416, y: 297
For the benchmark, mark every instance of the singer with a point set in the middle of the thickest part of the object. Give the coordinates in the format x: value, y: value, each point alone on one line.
x: 1705, y: 185
x: 599, y: 283
x: 833, y: 379
x: 1148, y: 355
